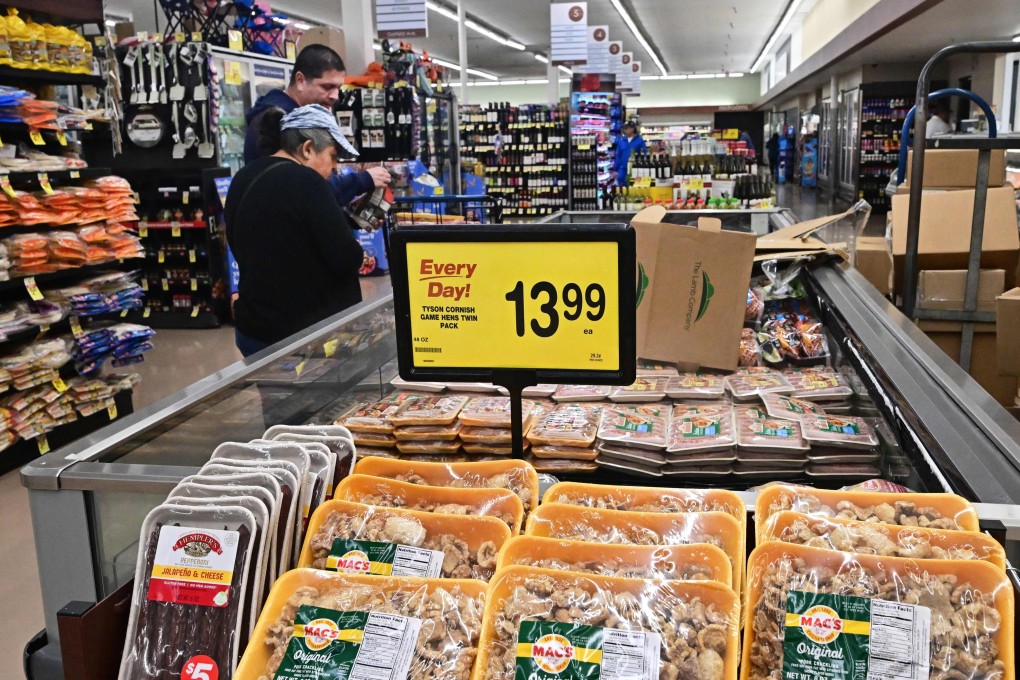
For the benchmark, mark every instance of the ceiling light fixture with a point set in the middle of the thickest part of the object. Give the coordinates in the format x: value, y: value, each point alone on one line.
x: 516, y: 45
x: 678, y: 76
x: 791, y: 9
x: 300, y: 25
x: 471, y: 71
x: 1016, y: 38
x: 542, y: 58
x: 639, y: 35
x: 439, y: 9
x: 651, y: 77
x: 699, y: 76
x: 736, y: 75
x: 566, y: 70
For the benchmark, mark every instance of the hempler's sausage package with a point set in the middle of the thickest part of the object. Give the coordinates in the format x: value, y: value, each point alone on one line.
x: 178, y: 613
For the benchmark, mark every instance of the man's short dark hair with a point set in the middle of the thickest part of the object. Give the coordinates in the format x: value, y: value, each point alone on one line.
x: 314, y: 60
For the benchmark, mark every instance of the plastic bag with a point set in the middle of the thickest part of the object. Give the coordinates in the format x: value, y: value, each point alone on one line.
x: 355, y: 538
x: 530, y: 611
x: 435, y: 622
x: 500, y: 503
x: 647, y: 499
x: 567, y: 425
x: 639, y: 426
x: 794, y: 591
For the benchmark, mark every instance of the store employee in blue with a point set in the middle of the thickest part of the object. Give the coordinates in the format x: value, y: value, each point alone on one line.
x: 630, y: 142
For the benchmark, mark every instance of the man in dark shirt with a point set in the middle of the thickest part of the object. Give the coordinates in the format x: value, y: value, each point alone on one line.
x: 317, y: 77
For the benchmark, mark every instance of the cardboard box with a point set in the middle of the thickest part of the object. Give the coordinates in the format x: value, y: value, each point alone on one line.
x: 324, y: 35
x: 874, y: 260
x: 983, y: 365
x: 692, y: 290
x: 946, y: 289
x: 957, y: 168
x: 1007, y: 335
x: 944, y: 239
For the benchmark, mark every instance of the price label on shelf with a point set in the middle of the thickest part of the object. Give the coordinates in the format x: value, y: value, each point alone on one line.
x: 191, y: 256
x: 166, y: 285
x: 143, y: 229
x: 111, y: 411
x: 145, y: 285
x: 76, y: 329
x: 74, y: 174
x: 44, y: 182
x: 330, y: 346
x: 5, y: 183
x: 196, y: 36
x: 180, y: 37
x: 36, y: 137
x: 146, y: 313
x: 123, y: 313
x: 234, y: 40
x: 61, y: 138
x: 195, y: 311
x: 194, y: 285
x: 161, y: 257
x: 100, y: 41
x: 175, y: 231
x: 43, y: 444
x: 518, y: 299
x: 299, y: 369
x: 185, y: 197
x: 60, y: 385
x: 33, y: 289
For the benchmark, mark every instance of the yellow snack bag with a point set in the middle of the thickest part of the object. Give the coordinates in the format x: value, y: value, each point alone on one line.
x: 37, y: 44
x: 19, y: 39
x: 5, y: 44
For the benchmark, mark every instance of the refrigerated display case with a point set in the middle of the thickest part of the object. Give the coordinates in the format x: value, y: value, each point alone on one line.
x: 243, y: 78
x: 941, y: 432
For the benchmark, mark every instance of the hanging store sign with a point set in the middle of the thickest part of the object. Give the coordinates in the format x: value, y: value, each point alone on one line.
x: 569, y: 33
x: 635, y: 77
x: 558, y: 303
x: 623, y: 77
x: 615, y: 59
x: 598, y: 52
x: 401, y: 19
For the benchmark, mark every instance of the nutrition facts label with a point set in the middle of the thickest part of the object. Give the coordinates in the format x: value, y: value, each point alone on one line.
x: 411, y: 561
x: 900, y: 642
x: 387, y: 648
x: 628, y: 655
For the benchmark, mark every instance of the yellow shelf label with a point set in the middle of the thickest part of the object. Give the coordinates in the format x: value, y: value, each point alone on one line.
x: 191, y: 256
x: 76, y: 329
x: 33, y: 289
x: 60, y: 385
x: 195, y: 311
x: 61, y: 138
x: 36, y: 137
x: 43, y: 444
x: 330, y: 346
x: 44, y: 182
x: 112, y: 411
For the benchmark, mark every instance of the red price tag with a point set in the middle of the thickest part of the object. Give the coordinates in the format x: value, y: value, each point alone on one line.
x: 200, y: 667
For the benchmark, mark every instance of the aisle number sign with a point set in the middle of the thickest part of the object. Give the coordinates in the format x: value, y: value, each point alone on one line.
x: 515, y: 298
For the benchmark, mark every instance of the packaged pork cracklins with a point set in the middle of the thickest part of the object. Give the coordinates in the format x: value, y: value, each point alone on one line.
x: 647, y: 499
x: 611, y: 623
x: 320, y: 624
x: 177, y: 614
x: 356, y: 538
x: 389, y: 493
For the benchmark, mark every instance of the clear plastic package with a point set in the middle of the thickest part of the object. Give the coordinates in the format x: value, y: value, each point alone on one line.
x: 632, y: 454
x: 818, y: 384
x: 175, y: 614
x: 885, y: 540
x: 696, y: 386
x: 930, y: 618
x: 638, y: 426
x: 544, y: 391
x: 751, y: 383
x: 647, y: 499
x: 516, y: 475
x: 374, y: 439
x: 423, y: 627
x: 501, y: 503
x: 491, y: 412
x: 491, y: 449
x: 695, y: 562
x: 846, y: 431
x: 564, y: 452
x: 573, y: 522
x: 401, y: 384
x: 428, y: 432
x: 629, y: 464
x: 370, y: 417
x: 561, y: 465
x: 643, y: 389
x: 355, y: 538
x: 700, y: 432
x: 428, y: 411
x: 788, y: 407
x: 768, y: 434
x: 581, y: 393
x: 335, y: 452
x: 426, y: 446
x: 567, y: 425
x: 935, y: 510
x: 632, y: 628
x: 750, y: 352
x: 485, y: 435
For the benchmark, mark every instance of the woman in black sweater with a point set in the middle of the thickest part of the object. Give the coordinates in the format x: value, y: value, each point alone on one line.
x: 296, y: 252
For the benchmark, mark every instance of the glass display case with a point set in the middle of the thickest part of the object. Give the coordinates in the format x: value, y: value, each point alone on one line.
x: 940, y: 431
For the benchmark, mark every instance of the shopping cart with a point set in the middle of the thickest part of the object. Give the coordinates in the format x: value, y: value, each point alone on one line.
x: 411, y: 211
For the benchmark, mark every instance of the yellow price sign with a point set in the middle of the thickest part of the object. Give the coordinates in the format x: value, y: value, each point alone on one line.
x: 232, y: 73
x: 111, y: 411
x: 43, y: 444
x: 510, y: 303
x: 235, y: 41
x: 44, y: 182
x: 36, y: 137
x: 61, y: 138
x: 60, y: 385
x: 5, y: 183
x: 33, y: 289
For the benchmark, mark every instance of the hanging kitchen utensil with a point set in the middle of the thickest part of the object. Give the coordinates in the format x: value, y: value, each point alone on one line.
x: 190, y: 112
x: 161, y: 58
x: 153, y: 84
x: 177, y: 91
x: 206, y: 149
x: 180, y: 149
x: 130, y: 60
x: 201, y: 92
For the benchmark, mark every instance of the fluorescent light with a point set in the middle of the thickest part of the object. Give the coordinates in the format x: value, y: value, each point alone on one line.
x: 537, y: 81
x: 300, y: 25
x: 483, y: 84
x: 514, y: 44
x: 639, y: 35
x: 650, y: 77
x: 699, y: 76
x: 1016, y: 38
x: 513, y: 82
x: 439, y: 9
x: 566, y: 70
x: 678, y: 76
x: 111, y: 22
x: 736, y: 75
x: 776, y: 34
x: 720, y: 75
x: 542, y: 58
x: 471, y: 71
x: 377, y: 47
x: 563, y: 80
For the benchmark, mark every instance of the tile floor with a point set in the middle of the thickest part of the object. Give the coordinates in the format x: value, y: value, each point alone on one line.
x: 179, y: 358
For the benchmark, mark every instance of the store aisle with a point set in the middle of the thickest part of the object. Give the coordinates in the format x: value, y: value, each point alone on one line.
x: 179, y: 358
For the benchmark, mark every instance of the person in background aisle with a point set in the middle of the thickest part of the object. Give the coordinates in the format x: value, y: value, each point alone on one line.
x: 746, y: 139
x: 772, y: 147
x: 630, y: 142
x: 296, y: 252
x: 316, y: 79
x: 939, y: 123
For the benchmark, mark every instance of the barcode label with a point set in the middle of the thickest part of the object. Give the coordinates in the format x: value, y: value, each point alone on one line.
x: 428, y: 350
x: 387, y: 648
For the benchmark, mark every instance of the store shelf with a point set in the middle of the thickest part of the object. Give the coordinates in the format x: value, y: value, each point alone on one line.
x: 159, y: 319
x: 45, y: 280
x: 171, y: 225
x: 9, y: 74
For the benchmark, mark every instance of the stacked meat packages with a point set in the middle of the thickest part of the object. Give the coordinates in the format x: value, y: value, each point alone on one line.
x: 917, y: 589
x: 211, y: 552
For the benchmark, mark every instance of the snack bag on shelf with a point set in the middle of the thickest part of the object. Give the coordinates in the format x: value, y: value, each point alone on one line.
x: 20, y: 40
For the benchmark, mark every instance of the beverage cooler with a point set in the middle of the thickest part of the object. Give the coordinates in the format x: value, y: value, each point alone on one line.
x: 938, y: 430
x: 243, y: 78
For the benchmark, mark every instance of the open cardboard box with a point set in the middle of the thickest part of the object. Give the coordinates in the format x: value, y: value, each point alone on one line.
x: 1007, y: 336
x: 800, y: 240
